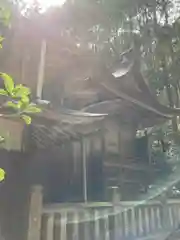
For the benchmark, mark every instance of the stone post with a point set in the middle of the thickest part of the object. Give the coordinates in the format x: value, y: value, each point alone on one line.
x: 35, y: 213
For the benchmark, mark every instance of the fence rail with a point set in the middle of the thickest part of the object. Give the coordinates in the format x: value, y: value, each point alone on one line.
x: 105, y: 221
x: 111, y: 222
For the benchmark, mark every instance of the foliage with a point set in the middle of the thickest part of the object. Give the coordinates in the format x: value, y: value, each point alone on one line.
x: 19, y: 101
x: 157, y: 24
x: 2, y: 174
x: 16, y: 98
x: 108, y: 29
x: 5, y: 12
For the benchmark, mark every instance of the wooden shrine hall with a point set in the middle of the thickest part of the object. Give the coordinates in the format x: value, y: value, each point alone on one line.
x: 87, y: 148
x: 83, y: 154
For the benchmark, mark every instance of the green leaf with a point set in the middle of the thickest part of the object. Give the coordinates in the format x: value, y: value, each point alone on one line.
x: 24, y: 103
x: 25, y: 100
x: 2, y: 174
x: 7, y: 17
x: 13, y: 105
x: 27, y: 119
x: 2, y: 139
x: 3, y: 92
x: 32, y: 109
x: 21, y: 91
x: 8, y: 83
x: 1, y: 40
x: 5, y: 13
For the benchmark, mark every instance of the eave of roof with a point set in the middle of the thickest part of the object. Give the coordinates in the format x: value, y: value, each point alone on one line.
x: 51, y: 128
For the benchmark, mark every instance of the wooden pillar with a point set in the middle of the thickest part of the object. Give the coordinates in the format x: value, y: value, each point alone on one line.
x: 127, y: 138
x: 50, y: 226
x: 103, y: 152
x: 87, y: 225
x: 149, y: 147
x: 164, y: 212
x: 115, y: 194
x: 63, y: 232
x: 97, y: 224
x: 40, y: 80
x: 35, y: 213
x: 75, y: 233
x: 84, y: 162
x: 106, y: 225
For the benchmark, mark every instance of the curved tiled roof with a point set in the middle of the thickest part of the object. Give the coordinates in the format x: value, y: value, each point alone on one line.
x: 125, y: 82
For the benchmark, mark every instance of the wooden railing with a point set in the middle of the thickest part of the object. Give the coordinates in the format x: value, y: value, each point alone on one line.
x: 103, y: 221
x: 89, y: 222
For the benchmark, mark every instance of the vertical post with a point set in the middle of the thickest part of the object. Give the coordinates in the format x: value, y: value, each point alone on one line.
x: 40, y: 79
x: 106, y: 225
x: 103, y: 152
x: 84, y: 158
x: 50, y: 226
x: 153, y: 222
x: 35, y: 212
x: 115, y: 196
x: 87, y: 228
x: 75, y: 233
x: 63, y: 232
x: 158, y: 217
x: 133, y: 222
x: 126, y: 223
x: 97, y: 224
x: 165, y: 212
x: 148, y: 147
x: 147, y: 220
x: 140, y: 221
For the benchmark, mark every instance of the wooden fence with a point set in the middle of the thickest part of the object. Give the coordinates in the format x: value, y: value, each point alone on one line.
x: 101, y: 221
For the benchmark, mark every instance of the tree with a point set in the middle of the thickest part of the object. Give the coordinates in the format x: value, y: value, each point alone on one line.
x: 15, y: 99
x: 107, y: 30
x: 112, y: 30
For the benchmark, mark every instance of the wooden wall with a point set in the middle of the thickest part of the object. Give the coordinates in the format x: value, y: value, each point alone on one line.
x: 119, y: 137
x: 12, y: 131
x: 58, y: 170
x: 52, y: 169
x: 14, y: 195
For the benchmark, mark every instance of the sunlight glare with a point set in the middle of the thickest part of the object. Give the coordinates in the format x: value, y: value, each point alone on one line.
x: 47, y: 3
